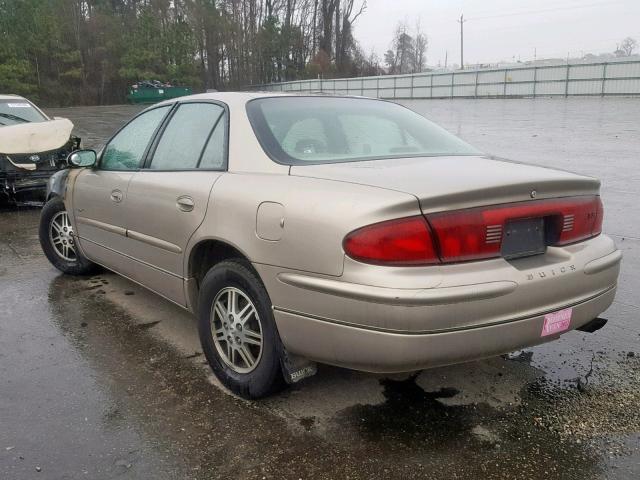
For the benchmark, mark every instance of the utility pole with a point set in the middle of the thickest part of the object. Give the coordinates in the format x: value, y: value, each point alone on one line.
x: 461, y: 22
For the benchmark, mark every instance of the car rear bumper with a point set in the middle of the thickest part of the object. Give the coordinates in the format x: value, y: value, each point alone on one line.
x: 372, y: 350
x: 397, y: 319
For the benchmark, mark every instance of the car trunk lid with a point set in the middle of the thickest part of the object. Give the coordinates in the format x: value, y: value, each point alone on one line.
x: 456, y: 182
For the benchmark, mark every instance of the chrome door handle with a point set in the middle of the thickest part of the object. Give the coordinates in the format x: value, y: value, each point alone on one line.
x: 116, y: 196
x: 185, y: 204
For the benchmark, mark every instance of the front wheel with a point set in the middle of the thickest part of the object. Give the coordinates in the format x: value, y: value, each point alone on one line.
x: 59, y: 242
x: 238, y: 332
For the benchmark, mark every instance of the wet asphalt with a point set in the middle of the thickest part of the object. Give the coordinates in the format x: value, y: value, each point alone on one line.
x: 100, y: 379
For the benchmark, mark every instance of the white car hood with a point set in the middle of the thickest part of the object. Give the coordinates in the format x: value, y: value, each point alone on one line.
x: 36, y: 137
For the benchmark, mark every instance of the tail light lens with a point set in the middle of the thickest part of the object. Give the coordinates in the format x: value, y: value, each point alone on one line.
x: 471, y: 234
x: 476, y: 233
x: 406, y: 241
x: 581, y: 219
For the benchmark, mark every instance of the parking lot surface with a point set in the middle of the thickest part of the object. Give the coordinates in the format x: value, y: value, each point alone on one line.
x: 100, y: 379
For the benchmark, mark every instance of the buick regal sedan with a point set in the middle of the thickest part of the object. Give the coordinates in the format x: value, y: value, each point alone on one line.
x: 340, y: 230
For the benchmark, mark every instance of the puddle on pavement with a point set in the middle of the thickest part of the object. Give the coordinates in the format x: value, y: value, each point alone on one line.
x: 172, y: 400
x: 503, y: 417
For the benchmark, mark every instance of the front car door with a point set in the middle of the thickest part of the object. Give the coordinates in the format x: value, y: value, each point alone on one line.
x: 167, y: 199
x: 100, y: 194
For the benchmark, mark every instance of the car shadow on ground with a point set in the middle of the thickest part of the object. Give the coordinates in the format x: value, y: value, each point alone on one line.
x: 426, y: 421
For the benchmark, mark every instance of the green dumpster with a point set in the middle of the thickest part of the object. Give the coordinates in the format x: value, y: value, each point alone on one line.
x: 150, y: 92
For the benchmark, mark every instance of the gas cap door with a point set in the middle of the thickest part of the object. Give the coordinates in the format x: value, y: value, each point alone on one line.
x: 270, y: 221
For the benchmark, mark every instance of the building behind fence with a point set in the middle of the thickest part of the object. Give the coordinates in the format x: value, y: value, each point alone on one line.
x: 604, y: 79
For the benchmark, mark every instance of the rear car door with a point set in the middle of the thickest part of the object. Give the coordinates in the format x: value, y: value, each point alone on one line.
x: 167, y: 199
x: 100, y: 194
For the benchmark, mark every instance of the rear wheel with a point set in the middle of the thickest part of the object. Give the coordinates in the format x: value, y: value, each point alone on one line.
x: 59, y: 242
x: 238, y: 332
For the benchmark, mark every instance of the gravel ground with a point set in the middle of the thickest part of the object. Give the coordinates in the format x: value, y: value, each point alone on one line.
x: 100, y: 379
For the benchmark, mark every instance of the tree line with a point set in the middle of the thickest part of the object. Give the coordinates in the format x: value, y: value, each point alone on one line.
x: 63, y: 52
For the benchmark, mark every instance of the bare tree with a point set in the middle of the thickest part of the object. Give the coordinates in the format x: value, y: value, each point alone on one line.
x: 408, y: 52
x: 421, y: 44
x: 627, y: 47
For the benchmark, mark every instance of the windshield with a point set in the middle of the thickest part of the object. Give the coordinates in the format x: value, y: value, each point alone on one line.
x: 18, y: 110
x: 305, y: 130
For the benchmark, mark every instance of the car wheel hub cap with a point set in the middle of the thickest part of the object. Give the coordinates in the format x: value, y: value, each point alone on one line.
x: 61, y: 237
x: 236, y: 329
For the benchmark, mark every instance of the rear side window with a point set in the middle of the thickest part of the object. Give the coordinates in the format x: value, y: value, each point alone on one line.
x: 214, y: 156
x: 190, y: 133
x: 125, y: 150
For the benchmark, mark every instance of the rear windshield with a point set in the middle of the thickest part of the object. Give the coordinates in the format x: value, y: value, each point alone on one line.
x: 15, y: 111
x: 306, y: 130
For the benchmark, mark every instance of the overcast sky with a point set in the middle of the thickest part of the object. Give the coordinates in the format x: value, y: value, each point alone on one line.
x: 503, y: 29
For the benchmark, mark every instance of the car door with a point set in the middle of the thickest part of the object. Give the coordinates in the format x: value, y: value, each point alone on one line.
x: 100, y: 194
x: 167, y: 199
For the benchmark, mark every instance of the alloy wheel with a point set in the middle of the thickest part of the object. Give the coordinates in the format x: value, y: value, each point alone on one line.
x: 61, y: 237
x: 236, y: 329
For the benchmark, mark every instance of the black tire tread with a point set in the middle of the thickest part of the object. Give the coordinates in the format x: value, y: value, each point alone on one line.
x: 82, y: 266
x: 267, y: 378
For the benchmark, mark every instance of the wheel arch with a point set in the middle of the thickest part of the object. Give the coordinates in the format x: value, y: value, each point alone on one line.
x: 204, y: 255
x: 57, y: 184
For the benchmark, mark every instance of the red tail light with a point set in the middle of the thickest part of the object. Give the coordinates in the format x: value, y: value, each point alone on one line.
x: 406, y: 241
x: 581, y: 219
x: 477, y: 233
x: 471, y: 234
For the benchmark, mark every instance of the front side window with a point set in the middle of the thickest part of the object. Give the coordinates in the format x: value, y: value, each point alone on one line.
x: 126, y: 149
x: 190, y: 132
x: 308, y: 130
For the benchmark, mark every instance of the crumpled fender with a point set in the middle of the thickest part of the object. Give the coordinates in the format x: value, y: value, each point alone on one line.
x: 35, y: 137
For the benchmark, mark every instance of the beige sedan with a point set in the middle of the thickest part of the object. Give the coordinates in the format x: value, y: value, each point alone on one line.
x: 340, y: 230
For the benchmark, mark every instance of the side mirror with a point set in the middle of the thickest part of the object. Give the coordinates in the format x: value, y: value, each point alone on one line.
x: 82, y: 158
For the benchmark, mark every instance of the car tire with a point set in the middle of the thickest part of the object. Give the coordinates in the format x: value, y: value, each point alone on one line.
x: 58, y: 242
x: 230, y: 357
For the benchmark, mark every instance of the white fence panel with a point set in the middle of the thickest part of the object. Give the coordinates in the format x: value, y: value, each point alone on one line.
x: 585, y: 87
x: 490, y: 90
x: 521, y: 75
x: 440, y: 92
x: 613, y: 78
x: 442, y: 79
x: 403, y: 82
x: 629, y: 86
x: 387, y: 93
x: 491, y: 77
x: 586, y: 71
x: 554, y: 73
x: 520, y: 89
x: 550, y: 88
x: 386, y: 82
x: 464, y: 78
x: 422, y: 81
x: 621, y: 70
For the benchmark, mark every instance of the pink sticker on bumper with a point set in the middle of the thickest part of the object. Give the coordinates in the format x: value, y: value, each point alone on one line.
x: 556, y: 322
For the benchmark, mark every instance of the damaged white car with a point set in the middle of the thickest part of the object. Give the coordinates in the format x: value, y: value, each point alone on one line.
x: 32, y: 148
